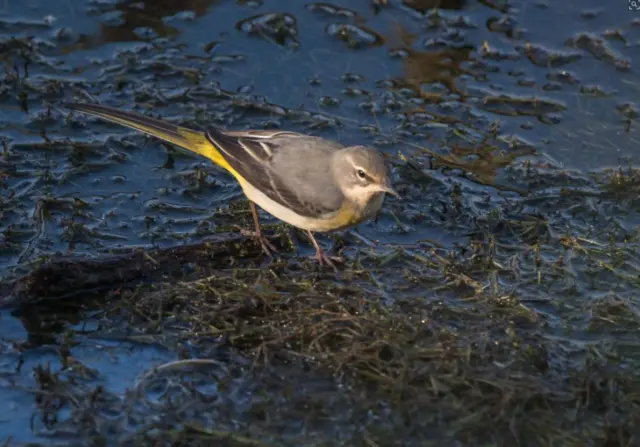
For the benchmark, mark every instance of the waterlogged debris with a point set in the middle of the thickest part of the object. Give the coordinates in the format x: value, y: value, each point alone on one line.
x: 593, y: 90
x: 377, y: 5
x: 209, y: 47
x: 590, y: 14
x: 146, y: 33
x: 563, y: 76
x: 514, y: 106
x: 506, y: 25
x: 499, y: 5
x: 64, y: 35
x: 552, y: 86
x: 313, y: 120
x: 255, y: 4
x: 628, y: 110
x: 25, y: 52
x: 351, y: 77
x: 17, y: 25
x: 320, y: 120
x: 328, y: 101
x: 371, y: 107
x: 298, y: 115
x: 497, y: 55
x: 113, y: 18
x: 388, y: 84
x: 550, y: 118
x: 354, y: 92
x: 160, y: 206
x: 259, y: 103
x: 545, y: 57
x: 355, y: 36
x: 516, y: 73
x: 460, y: 21
x: 399, y: 53
x: 598, y: 49
x: 330, y: 9
x: 526, y: 82
x: 615, y: 34
x: 274, y: 123
x: 280, y: 28
x: 494, y: 276
x: 617, y: 314
x: 183, y: 16
x: 448, y: 24
x: 450, y: 38
x: 228, y: 58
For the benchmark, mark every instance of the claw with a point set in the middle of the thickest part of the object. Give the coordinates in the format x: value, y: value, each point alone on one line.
x: 267, y: 247
x: 266, y: 244
x: 330, y: 261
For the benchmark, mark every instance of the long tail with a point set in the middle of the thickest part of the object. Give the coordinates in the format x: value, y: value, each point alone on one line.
x: 192, y: 140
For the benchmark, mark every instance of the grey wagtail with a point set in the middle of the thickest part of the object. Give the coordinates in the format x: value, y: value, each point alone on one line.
x: 309, y: 182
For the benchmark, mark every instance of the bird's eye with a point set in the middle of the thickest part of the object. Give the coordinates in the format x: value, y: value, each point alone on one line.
x: 361, y: 173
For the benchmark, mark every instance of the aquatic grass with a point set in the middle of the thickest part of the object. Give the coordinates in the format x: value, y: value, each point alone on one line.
x: 415, y: 345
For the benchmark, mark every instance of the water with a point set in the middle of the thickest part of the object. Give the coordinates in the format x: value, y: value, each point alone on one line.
x: 188, y: 61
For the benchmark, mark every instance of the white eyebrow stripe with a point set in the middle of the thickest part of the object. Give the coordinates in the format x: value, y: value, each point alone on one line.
x: 349, y: 158
x: 354, y: 165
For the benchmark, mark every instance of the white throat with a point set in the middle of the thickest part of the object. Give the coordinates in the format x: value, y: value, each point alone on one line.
x: 368, y: 198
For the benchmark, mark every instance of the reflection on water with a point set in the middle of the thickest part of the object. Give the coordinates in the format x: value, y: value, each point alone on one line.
x: 421, y: 67
x: 484, y: 158
x: 279, y: 28
x: 135, y: 21
x: 43, y: 328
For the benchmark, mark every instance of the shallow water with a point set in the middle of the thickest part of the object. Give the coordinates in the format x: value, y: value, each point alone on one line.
x: 173, y: 57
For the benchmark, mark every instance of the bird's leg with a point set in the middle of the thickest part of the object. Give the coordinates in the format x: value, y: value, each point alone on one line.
x: 266, y: 245
x: 320, y: 255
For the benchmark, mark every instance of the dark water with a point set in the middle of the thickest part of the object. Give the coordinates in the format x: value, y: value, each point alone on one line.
x: 171, y: 57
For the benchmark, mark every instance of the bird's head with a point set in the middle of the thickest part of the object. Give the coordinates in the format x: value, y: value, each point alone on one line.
x: 361, y: 173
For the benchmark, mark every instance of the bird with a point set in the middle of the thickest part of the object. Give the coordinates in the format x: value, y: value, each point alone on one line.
x: 313, y: 183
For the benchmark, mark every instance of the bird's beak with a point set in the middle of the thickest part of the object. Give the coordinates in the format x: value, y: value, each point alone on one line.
x: 389, y: 190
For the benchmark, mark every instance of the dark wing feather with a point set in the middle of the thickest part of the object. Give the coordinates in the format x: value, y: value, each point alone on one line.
x: 251, y: 156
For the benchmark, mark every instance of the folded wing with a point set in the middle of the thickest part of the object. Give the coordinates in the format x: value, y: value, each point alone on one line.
x: 278, y: 164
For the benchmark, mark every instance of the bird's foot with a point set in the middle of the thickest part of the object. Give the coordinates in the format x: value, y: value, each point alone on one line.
x: 330, y: 261
x: 267, y: 247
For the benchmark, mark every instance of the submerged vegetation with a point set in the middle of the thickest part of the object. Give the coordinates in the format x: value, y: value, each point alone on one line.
x: 499, y: 341
x: 496, y: 304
